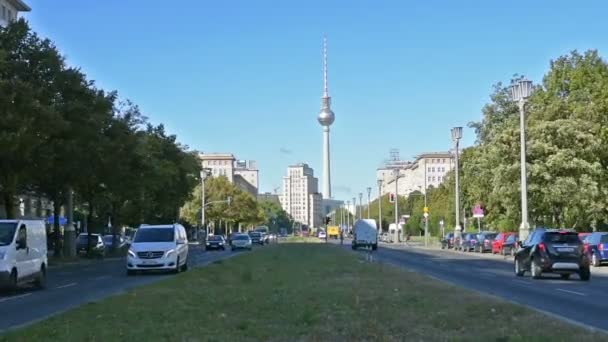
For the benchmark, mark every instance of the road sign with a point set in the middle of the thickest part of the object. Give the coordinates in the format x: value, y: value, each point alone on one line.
x: 426, y: 215
x: 478, y: 211
x: 426, y: 209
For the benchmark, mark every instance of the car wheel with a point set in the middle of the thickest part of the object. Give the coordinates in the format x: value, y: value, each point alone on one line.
x: 565, y: 276
x: 535, y: 269
x: 594, y: 260
x: 518, y: 270
x: 41, y: 280
x: 177, y: 267
x: 585, y: 273
x: 185, y: 266
x: 12, y: 281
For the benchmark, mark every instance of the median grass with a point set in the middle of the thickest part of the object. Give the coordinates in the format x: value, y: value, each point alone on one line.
x: 300, y: 292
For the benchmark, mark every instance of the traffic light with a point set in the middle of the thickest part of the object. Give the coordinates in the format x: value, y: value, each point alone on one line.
x: 391, y: 198
x: 327, y: 220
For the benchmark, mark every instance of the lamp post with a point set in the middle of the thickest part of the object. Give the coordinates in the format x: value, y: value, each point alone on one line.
x: 348, y: 215
x: 396, y: 174
x: 456, y: 136
x: 369, y: 194
x: 354, y: 207
x: 360, y: 205
x: 204, y: 174
x: 379, y: 206
x: 520, y: 91
x: 426, y: 217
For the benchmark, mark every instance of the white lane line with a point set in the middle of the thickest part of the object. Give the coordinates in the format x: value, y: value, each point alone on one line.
x: 66, y: 285
x: 102, y: 277
x: 15, y: 297
x: 572, y: 292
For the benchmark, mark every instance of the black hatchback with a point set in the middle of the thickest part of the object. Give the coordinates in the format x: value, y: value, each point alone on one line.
x: 552, y: 251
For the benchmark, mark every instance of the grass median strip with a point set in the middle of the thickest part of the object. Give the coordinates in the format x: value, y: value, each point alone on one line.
x: 293, y: 292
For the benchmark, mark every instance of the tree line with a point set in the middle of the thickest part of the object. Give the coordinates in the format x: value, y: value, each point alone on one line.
x: 61, y: 134
x: 567, y: 157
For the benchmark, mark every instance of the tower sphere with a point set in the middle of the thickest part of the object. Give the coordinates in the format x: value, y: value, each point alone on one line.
x: 326, y: 116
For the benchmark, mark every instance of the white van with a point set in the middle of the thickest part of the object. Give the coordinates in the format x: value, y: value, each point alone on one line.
x: 23, y: 256
x: 160, y: 247
x: 365, y: 234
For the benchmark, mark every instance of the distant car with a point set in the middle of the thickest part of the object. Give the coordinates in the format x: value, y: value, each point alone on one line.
x: 597, y: 247
x: 241, y: 241
x: 322, y: 234
x: 448, y: 241
x: 256, y: 237
x: 484, y: 242
x: 509, y: 247
x: 552, y: 251
x: 92, y: 243
x: 499, y: 240
x: 365, y: 234
x: 215, y: 242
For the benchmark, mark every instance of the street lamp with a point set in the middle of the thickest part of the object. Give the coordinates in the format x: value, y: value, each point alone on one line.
x: 360, y: 205
x: 379, y: 206
x: 354, y: 207
x: 520, y: 92
x: 204, y: 173
x: 347, y: 215
x: 396, y: 174
x: 369, y: 194
x: 456, y: 136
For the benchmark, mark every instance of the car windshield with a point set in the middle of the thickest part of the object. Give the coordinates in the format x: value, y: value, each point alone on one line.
x: 7, y: 233
x: 82, y: 238
x: 241, y: 237
x: 490, y: 236
x: 108, y: 238
x: 254, y: 234
x: 562, y: 238
x: 604, y: 238
x: 155, y: 235
x: 215, y: 238
x: 511, y: 238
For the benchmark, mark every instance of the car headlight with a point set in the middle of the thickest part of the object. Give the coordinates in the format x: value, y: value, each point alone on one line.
x: 207, y: 243
x: 131, y: 253
x: 169, y: 253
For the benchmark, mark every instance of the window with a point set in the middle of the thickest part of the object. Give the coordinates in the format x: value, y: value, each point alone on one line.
x: 429, y: 169
x: 429, y: 178
x: 433, y: 169
x: 439, y: 178
x: 444, y: 160
x: 10, y: 15
x: 22, y: 235
x: 433, y: 178
x: 3, y: 12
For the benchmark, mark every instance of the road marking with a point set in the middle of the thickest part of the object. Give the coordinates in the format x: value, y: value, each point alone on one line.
x: 15, y: 297
x: 572, y: 292
x: 66, y: 285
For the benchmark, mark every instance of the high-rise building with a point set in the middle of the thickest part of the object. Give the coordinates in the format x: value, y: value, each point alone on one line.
x: 326, y: 118
x: 243, y: 174
x: 300, y: 196
x: 9, y: 10
x: 428, y: 169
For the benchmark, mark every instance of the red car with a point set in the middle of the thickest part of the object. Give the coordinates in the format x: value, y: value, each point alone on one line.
x: 499, y: 240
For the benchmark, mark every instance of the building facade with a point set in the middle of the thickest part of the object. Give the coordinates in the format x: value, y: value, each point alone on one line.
x: 428, y: 169
x: 241, y: 173
x: 300, y: 196
x: 9, y: 10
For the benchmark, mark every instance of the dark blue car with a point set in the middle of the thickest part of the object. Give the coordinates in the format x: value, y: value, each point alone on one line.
x: 598, y: 247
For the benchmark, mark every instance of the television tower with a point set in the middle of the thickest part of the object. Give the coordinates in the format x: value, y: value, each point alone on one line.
x: 326, y: 118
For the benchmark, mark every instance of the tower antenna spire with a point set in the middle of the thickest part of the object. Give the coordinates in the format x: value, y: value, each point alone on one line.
x: 326, y: 91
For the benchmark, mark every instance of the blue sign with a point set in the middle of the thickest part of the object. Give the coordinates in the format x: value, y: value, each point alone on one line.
x: 62, y: 220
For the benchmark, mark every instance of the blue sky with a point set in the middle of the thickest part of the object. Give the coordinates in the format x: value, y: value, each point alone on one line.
x: 246, y: 76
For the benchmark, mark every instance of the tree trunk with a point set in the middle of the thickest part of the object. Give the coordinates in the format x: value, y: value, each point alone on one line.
x: 9, y: 203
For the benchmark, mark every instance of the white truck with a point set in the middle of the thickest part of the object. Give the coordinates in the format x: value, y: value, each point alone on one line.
x: 365, y: 234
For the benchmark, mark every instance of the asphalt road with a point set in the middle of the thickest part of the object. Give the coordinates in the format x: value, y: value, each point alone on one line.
x: 74, y: 285
x: 580, y: 302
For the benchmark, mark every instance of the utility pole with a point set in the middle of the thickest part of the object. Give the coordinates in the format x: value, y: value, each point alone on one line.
x: 360, y: 205
x: 369, y: 194
x: 379, y: 206
x: 396, y: 173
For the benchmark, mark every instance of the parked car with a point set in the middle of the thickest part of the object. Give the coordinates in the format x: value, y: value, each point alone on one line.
x: 322, y: 234
x: 597, y: 247
x: 552, y: 251
x: 499, y: 241
x: 158, y: 247
x: 108, y: 240
x: 91, y: 243
x: 215, y: 242
x: 484, y: 242
x: 469, y: 241
x: 509, y: 247
x: 384, y: 237
x: 256, y: 237
x: 241, y: 241
x: 448, y: 241
x: 23, y: 251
